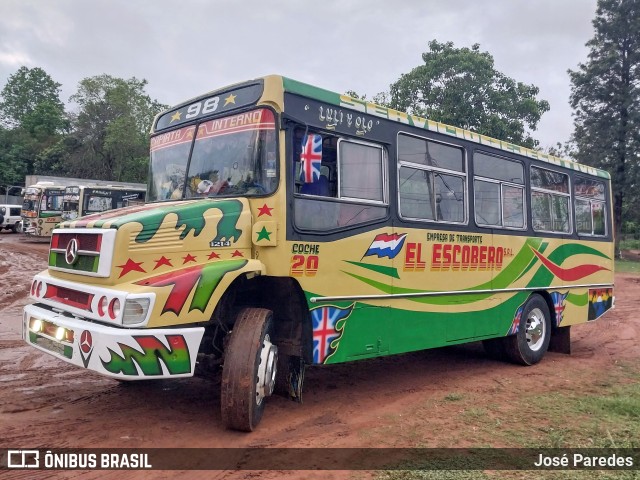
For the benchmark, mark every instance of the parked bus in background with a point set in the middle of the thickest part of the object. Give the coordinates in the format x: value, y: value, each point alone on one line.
x: 81, y: 200
x: 288, y: 225
x: 41, y: 209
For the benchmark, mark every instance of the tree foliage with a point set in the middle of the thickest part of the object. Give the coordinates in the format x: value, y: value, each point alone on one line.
x: 605, y: 96
x: 461, y: 87
x: 106, y: 138
x: 27, y: 95
x: 111, y: 128
x: 32, y: 119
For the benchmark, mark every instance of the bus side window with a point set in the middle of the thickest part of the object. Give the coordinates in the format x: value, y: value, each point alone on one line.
x: 590, y: 206
x: 449, y: 198
x: 320, y: 187
x: 432, y: 180
x: 350, y: 171
x: 498, y: 189
x: 550, y: 200
x: 324, y: 185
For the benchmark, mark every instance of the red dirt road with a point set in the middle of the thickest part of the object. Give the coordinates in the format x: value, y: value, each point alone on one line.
x: 387, y: 402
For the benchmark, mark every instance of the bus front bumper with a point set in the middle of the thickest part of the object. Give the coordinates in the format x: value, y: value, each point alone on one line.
x: 122, y: 353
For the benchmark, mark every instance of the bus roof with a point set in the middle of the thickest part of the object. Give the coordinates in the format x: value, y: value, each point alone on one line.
x: 272, y: 82
x: 345, y: 101
x: 140, y: 186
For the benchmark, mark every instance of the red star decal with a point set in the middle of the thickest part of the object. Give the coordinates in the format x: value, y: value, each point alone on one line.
x: 237, y: 253
x: 189, y: 258
x: 162, y: 261
x: 264, y: 210
x: 213, y: 255
x: 131, y: 266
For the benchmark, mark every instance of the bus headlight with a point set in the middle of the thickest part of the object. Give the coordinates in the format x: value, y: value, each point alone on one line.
x: 135, y: 310
x: 60, y: 333
x: 36, y: 325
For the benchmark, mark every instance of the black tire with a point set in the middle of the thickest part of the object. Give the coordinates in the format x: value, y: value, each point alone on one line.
x: 528, y: 346
x: 17, y: 227
x: 246, y: 378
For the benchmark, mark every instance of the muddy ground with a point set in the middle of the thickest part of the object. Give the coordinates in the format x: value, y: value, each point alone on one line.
x: 45, y: 403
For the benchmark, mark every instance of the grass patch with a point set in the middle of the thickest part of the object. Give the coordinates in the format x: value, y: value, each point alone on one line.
x: 627, y: 266
x: 607, y: 416
x: 432, y: 475
x: 521, y: 474
x: 453, y: 397
x: 630, y: 244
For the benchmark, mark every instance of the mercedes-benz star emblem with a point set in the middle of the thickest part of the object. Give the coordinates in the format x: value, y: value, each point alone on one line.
x: 86, y: 342
x: 86, y: 347
x: 71, y: 252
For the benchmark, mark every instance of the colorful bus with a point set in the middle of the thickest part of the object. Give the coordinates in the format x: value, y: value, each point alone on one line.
x: 41, y: 209
x: 289, y: 226
x: 81, y: 200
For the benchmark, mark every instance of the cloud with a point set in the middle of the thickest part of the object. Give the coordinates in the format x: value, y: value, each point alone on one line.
x: 188, y: 47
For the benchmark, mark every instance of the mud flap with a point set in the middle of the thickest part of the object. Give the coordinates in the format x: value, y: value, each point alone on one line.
x: 290, y: 377
x: 561, y: 340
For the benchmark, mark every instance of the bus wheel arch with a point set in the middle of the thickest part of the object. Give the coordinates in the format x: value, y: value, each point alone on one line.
x: 531, y: 342
x: 292, y: 331
x: 249, y: 371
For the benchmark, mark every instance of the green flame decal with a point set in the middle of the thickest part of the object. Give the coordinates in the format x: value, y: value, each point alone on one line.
x: 176, y: 358
x: 190, y: 215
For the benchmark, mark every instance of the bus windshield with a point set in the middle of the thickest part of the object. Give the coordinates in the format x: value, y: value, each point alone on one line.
x: 97, y: 201
x: 70, y: 203
x: 29, y: 205
x: 233, y: 155
x: 52, y: 201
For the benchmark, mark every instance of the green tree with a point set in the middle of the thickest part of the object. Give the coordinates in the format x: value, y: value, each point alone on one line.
x: 55, y: 159
x: 111, y: 128
x: 16, y: 156
x: 25, y: 96
x: 32, y: 119
x: 461, y: 87
x: 605, y: 96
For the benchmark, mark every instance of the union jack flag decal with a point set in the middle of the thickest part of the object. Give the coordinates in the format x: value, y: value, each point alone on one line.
x: 558, y: 305
x: 328, y: 323
x: 311, y: 158
x: 515, y: 325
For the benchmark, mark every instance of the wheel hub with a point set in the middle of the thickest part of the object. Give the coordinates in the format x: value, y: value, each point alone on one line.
x: 535, y: 329
x: 267, y: 370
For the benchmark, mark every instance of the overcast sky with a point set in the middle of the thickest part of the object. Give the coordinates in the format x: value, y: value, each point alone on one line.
x: 185, y: 48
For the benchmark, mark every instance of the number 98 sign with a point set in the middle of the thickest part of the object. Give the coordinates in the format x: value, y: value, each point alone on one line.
x: 205, y: 107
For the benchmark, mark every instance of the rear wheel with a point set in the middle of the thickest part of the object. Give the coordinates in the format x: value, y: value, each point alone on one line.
x: 528, y: 346
x: 249, y: 370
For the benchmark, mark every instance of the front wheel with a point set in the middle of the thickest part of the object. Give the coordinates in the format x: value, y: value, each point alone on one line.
x: 530, y: 343
x: 249, y: 370
x: 17, y: 227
